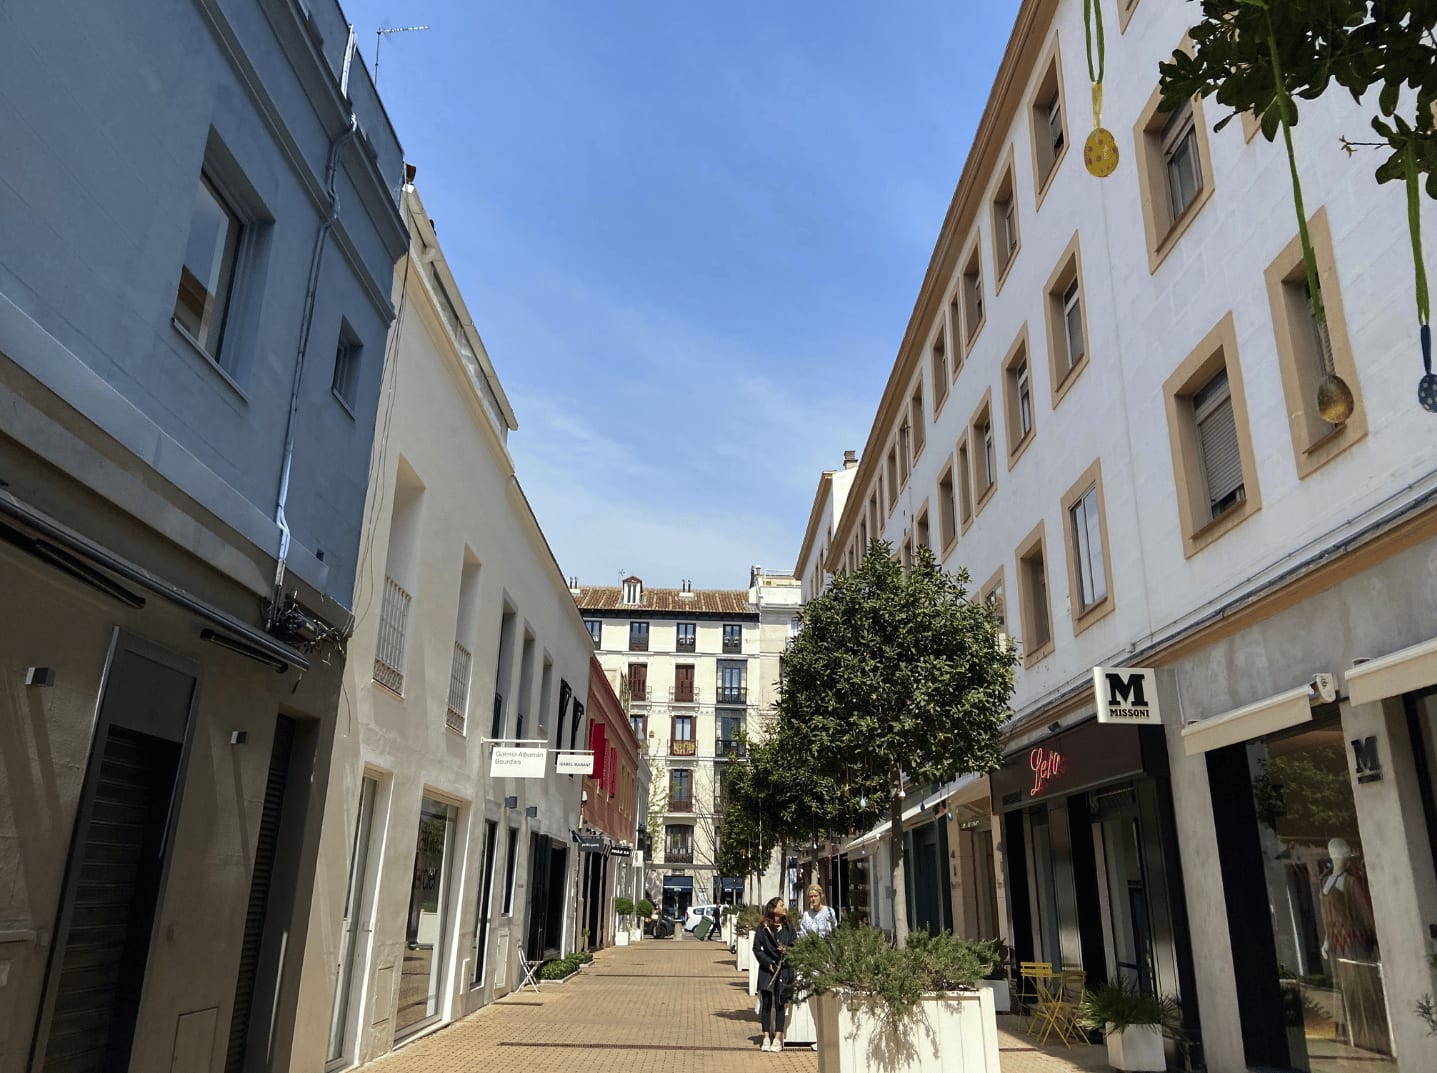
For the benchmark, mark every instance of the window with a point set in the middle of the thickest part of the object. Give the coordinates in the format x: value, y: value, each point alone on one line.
x: 681, y: 738
x: 596, y: 630
x: 1050, y: 137
x: 939, y: 356
x: 905, y: 453
x: 906, y: 554
x: 638, y: 683
x: 347, y: 351
x: 965, y: 483
x: 972, y: 288
x: 1005, y: 224
x: 955, y: 333
x: 1067, y: 333
x: 638, y: 636
x: 640, y: 723
x: 1089, y: 581
x: 985, y: 458
x: 892, y: 476
x: 922, y: 535
x: 1018, y: 397
x: 730, y: 725
x: 208, y: 272
x: 732, y: 682
x: 1212, y: 450
x: 511, y: 861
x: 684, y: 684
x: 947, y: 509
x: 684, y: 636
x: 873, y: 519
x: 633, y: 591
x: 1033, y: 598
x: 678, y: 843
x: 1174, y: 172
x: 915, y: 413
x: 1305, y: 353
x: 733, y: 637
x: 681, y: 790
x: 992, y: 595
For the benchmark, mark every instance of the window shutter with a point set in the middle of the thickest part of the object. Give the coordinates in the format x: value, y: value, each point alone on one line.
x: 1222, y: 462
x: 598, y: 742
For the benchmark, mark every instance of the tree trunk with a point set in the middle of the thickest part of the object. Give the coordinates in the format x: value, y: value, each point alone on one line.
x: 895, y: 867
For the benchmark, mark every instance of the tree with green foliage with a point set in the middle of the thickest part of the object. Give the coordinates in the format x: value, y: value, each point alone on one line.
x: 895, y: 679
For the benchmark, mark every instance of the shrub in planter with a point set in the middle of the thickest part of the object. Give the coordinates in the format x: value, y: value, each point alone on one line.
x: 583, y: 957
x: 644, y: 908
x: 750, y: 918
x: 558, y: 969
x: 1134, y: 1024
x: 997, y: 979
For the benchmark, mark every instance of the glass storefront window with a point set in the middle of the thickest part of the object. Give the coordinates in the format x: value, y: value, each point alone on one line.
x: 1329, y: 965
x: 424, y: 940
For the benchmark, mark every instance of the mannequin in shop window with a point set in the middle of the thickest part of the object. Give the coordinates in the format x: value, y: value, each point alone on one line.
x: 1350, y: 944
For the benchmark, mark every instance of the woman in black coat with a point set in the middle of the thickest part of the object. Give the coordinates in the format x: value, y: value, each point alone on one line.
x: 770, y: 942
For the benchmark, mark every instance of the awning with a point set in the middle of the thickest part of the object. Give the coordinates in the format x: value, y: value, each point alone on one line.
x: 1403, y: 671
x: 1251, y: 721
x: 951, y: 789
x: 731, y: 883
x: 678, y: 882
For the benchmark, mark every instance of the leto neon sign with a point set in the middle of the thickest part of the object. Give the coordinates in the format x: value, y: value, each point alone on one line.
x: 1047, y: 764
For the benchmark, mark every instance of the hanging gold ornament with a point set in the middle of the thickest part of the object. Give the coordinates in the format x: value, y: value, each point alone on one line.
x: 1334, y: 399
x: 1100, y: 151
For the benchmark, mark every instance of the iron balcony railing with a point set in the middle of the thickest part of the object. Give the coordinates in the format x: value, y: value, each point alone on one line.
x: 681, y: 804
x: 684, y: 644
x: 681, y: 748
x: 393, y: 631
x: 640, y: 696
x: 729, y: 694
x: 728, y: 747
x: 732, y: 646
x: 678, y: 856
x: 458, y: 688
x: 638, y: 644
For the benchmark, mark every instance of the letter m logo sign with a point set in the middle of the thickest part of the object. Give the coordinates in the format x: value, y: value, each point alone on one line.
x: 1127, y: 689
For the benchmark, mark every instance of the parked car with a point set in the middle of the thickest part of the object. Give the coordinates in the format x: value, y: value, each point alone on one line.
x: 697, y: 913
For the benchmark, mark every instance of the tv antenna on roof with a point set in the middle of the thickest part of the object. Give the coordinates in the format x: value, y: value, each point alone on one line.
x: 379, y: 37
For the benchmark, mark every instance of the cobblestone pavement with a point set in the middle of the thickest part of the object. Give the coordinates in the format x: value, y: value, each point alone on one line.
x: 660, y: 1006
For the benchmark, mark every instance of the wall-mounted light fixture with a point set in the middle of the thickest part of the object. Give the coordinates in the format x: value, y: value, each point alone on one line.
x: 532, y: 811
x: 511, y: 802
x: 1054, y: 727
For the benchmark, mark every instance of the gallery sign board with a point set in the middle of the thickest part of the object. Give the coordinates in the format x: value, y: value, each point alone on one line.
x: 1127, y: 695
x: 517, y: 762
x: 574, y: 763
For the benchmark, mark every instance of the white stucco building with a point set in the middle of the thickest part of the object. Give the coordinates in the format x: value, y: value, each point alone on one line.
x: 434, y: 876
x: 1103, y: 408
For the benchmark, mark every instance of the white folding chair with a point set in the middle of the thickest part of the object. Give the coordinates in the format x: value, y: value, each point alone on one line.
x: 530, y: 970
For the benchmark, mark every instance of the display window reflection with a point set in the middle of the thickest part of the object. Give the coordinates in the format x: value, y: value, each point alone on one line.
x: 1329, y: 962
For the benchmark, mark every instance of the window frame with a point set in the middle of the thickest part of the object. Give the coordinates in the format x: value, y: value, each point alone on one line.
x: 638, y: 635
x: 1047, y: 91
x: 686, y: 644
x: 348, y: 353
x: 970, y: 290
x: 1069, y: 270
x: 1314, y: 442
x: 947, y: 507
x: 1084, y: 614
x: 1217, y: 350
x: 1162, y: 225
x: 1003, y: 255
x: 984, y: 452
x: 1019, y: 354
x: 964, y: 467
x: 1034, y: 545
x: 938, y: 367
x: 986, y: 592
x: 733, y: 637
x: 595, y: 627
x: 922, y: 527
x: 918, y: 438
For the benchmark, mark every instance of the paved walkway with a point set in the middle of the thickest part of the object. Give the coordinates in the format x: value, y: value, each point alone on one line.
x: 660, y: 1006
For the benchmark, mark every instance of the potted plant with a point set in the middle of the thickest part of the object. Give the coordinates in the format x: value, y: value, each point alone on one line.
x: 644, y: 910
x: 911, y: 1009
x: 997, y: 980
x: 749, y: 917
x: 623, y: 908
x: 1133, y: 1022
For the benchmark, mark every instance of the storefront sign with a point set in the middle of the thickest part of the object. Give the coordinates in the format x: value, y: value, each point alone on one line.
x: 1369, y: 763
x: 1047, y: 764
x: 570, y: 763
x: 620, y: 851
x: 589, y: 843
x: 1127, y: 695
x: 515, y: 762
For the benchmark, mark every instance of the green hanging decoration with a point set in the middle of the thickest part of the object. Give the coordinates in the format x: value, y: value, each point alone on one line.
x: 1334, y: 398
x: 1427, y: 386
x: 1100, y: 150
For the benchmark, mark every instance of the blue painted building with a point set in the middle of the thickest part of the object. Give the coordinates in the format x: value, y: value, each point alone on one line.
x: 198, y: 225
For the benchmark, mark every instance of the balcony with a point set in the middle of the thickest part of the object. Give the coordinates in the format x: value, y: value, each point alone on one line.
x: 458, y: 688
x: 685, y: 644
x: 732, y: 646
x: 393, y: 629
x: 728, y: 748
x: 683, y: 694
x: 681, y: 804
x: 679, y: 856
x: 682, y: 748
x: 638, y: 644
x: 730, y: 694
x: 640, y: 696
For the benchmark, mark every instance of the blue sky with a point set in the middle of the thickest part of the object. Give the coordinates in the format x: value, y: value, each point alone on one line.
x: 691, y: 237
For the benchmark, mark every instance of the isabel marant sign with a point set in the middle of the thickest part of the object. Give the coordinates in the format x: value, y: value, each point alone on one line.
x: 1127, y: 695
x: 515, y: 762
x: 571, y: 763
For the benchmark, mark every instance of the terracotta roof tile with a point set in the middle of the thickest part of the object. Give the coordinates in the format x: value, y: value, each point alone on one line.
x: 699, y: 601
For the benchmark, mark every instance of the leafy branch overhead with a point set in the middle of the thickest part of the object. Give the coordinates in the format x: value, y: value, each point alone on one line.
x: 1244, y: 50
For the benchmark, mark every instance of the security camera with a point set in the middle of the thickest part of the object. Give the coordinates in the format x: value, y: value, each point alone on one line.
x: 1324, y: 687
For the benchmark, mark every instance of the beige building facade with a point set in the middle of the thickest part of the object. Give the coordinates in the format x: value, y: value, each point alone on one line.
x: 1103, y: 409
x: 436, y: 871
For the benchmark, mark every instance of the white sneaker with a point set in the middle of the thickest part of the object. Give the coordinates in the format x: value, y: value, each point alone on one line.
x: 763, y: 1044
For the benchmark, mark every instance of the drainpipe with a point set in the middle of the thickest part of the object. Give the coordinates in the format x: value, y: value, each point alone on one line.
x: 336, y: 145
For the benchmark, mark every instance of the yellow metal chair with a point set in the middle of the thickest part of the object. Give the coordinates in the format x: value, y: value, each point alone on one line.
x: 1059, y: 1013
x: 1036, y: 983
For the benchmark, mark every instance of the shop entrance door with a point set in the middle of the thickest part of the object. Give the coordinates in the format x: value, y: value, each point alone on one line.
x: 1127, y: 922
x: 352, y: 931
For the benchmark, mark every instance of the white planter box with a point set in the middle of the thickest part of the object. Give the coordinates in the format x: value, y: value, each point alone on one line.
x: 752, y: 974
x: 1002, y: 997
x: 1137, y: 1049
x: 621, y: 938
x: 745, y: 952
x: 637, y: 935
x: 799, y: 1025
x: 955, y: 1032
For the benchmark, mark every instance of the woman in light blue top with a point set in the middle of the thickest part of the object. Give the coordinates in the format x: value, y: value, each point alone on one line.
x: 818, y: 919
